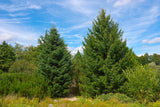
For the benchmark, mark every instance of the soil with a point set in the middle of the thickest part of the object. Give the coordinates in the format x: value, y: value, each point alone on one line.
x: 70, y: 98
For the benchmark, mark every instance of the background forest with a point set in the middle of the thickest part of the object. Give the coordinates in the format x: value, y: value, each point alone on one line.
x: 107, y: 68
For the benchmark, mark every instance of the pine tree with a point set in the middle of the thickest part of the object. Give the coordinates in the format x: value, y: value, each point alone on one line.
x: 7, y: 56
x: 105, y: 57
x: 76, y: 63
x: 55, y: 63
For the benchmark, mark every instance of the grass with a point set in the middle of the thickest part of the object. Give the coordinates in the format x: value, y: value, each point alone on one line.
x: 14, y: 101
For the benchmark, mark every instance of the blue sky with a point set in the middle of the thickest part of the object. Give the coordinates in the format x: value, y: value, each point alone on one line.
x: 23, y: 21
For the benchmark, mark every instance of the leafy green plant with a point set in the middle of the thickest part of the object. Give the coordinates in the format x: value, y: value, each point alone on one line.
x: 22, y: 66
x: 154, y: 104
x: 23, y: 84
x: 120, y: 97
x: 142, y: 84
x: 1, y: 71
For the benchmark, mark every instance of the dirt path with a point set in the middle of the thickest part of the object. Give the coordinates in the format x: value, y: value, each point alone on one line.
x: 70, y: 99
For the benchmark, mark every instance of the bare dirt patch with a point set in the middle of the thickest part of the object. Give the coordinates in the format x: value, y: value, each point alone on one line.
x: 70, y: 98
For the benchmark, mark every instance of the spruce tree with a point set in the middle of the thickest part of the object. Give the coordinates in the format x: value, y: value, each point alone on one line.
x: 105, y: 57
x: 55, y: 63
x: 76, y: 74
x: 7, y: 56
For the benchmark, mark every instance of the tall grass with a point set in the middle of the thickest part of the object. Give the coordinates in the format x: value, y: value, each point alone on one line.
x: 14, y: 101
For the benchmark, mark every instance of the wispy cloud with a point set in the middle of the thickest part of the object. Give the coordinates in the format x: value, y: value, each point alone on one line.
x: 86, y: 7
x: 83, y: 25
x: 75, y: 39
x: 75, y: 50
x: 4, y: 36
x: 121, y: 2
x: 133, y: 32
x: 73, y: 17
x: 16, y: 7
x: 18, y: 14
x: 153, y: 35
x: 13, y: 20
x: 155, y: 40
x: 34, y: 7
x: 149, y: 49
x: 12, y: 34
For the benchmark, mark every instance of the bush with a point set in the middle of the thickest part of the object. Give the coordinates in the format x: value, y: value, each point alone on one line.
x: 22, y: 66
x: 118, y: 96
x: 23, y: 84
x: 1, y: 71
x: 154, y: 104
x: 142, y: 84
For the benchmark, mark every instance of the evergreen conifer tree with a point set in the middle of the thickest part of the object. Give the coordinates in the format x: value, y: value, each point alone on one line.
x: 105, y: 57
x: 7, y: 56
x: 55, y: 63
x: 76, y: 63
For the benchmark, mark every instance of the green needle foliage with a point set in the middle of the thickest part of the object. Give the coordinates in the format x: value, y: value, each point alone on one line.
x: 105, y: 57
x: 76, y: 63
x: 55, y: 63
x: 7, y: 56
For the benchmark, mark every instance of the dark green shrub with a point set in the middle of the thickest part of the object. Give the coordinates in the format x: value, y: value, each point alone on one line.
x: 142, y: 84
x: 1, y: 71
x: 121, y: 97
x: 22, y: 66
x: 23, y: 84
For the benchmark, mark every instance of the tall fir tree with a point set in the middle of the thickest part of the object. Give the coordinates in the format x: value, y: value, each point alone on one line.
x: 105, y: 57
x: 76, y: 74
x: 7, y: 56
x: 55, y: 63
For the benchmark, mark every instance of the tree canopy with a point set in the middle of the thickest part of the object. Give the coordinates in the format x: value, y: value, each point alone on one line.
x: 7, y: 56
x: 55, y: 63
x: 105, y: 57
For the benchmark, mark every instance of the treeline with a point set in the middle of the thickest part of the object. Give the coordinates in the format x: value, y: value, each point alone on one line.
x: 18, y: 58
x: 146, y: 59
x: 106, y: 65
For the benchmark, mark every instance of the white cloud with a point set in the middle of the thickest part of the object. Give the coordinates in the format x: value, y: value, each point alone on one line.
x: 155, y: 40
x: 150, y: 49
x: 86, y: 24
x: 83, y: 25
x: 153, y: 35
x: 13, y: 20
x: 16, y: 7
x: 34, y: 7
x: 75, y: 50
x: 121, y: 2
x: 134, y: 17
x: 109, y: 1
x: 134, y: 28
x: 17, y: 14
x: 73, y: 40
x: 6, y: 36
x: 12, y: 33
x: 86, y: 7
x: 144, y: 41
